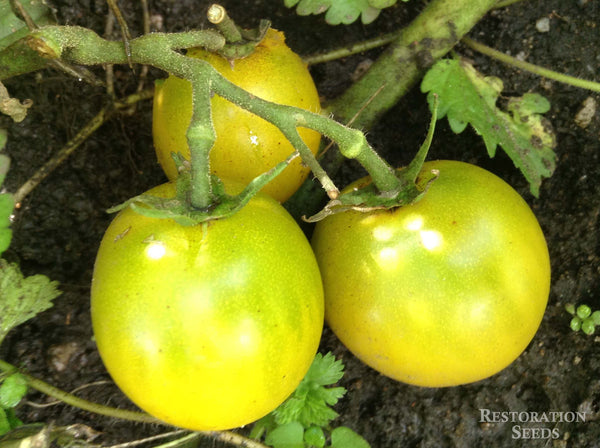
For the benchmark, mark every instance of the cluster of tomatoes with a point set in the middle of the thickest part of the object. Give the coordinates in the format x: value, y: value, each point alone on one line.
x: 212, y: 326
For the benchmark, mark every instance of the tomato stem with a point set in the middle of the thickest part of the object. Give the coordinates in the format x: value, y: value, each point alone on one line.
x: 217, y: 15
x: 83, y: 46
x: 430, y: 36
x: 201, y: 137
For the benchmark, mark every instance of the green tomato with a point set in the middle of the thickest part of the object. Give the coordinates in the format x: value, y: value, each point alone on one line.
x: 446, y: 291
x: 211, y: 326
x: 245, y: 145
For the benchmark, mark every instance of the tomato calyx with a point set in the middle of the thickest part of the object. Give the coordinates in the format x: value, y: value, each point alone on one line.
x: 180, y: 207
x: 366, y: 196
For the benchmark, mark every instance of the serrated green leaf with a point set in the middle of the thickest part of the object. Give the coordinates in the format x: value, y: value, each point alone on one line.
x: 325, y: 370
x: 341, y: 11
x: 311, y: 402
x: 466, y: 96
x: 290, y: 435
x: 369, y: 15
x: 12, y: 390
x: 345, y: 11
x: 308, y: 7
x: 21, y: 298
x: 380, y: 4
x: 343, y: 437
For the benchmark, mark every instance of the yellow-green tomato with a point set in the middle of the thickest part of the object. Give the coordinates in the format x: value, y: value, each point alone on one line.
x: 246, y: 145
x: 446, y: 291
x: 211, y: 326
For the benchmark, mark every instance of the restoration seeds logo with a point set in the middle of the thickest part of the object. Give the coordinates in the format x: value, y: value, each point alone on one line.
x: 532, y: 425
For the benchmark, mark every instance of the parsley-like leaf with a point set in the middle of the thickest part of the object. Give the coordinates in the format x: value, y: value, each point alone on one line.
x: 341, y: 11
x: 466, y: 96
x: 22, y: 298
x: 310, y: 403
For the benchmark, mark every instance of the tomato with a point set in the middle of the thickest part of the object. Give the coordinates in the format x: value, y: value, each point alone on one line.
x: 446, y: 291
x: 210, y: 326
x: 246, y: 145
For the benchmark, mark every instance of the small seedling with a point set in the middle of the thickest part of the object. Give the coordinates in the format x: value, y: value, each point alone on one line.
x: 583, y: 318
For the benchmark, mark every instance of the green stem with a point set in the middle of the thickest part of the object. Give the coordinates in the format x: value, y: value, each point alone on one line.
x: 72, y: 400
x: 79, y: 402
x: 430, y: 36
x: 536, y: 69
x: 82, y: 46
x: 351, y: 142
x: 356, y: 48
x: 201, y: 136
x: 217, y: 15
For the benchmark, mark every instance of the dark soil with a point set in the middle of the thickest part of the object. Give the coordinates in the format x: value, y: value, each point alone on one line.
x: 59, y: 226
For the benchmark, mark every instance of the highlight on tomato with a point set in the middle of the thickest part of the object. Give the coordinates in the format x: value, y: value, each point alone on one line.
x: 446, y: 291
x: 210, y: 326
x: 246, y: 145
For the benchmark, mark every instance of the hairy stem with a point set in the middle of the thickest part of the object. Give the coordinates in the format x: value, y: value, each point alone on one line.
x: 83, y: 46
x: 431, y: 35
x: 536, y: 69
x: 76, y: 401
x: 72, y: 400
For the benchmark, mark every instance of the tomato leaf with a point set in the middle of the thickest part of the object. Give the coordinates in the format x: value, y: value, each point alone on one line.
x: 310, y: 403
x: 12, y: 390
x: 343, y: 437
x: 21, y: 298
x: 290, y: 435
x: 341, y: 11
x: 466, y: 96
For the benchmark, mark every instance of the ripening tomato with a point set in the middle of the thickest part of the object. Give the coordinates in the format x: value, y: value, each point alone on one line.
x: 246, y: 145
x: 446, y: 291
x: 210, y: 326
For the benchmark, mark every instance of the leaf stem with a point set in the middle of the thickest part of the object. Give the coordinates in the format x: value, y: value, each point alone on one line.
x: 79, y: 402
x: 72, y: 400
x: 536, y: 69
x: 352, y: 49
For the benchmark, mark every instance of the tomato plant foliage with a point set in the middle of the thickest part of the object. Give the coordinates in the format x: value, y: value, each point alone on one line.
x: 466, y: 96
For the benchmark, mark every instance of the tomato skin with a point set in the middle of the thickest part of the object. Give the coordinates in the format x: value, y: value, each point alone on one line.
x: 212, y: 326
x: 246, y: 145
x: 446, y: 291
